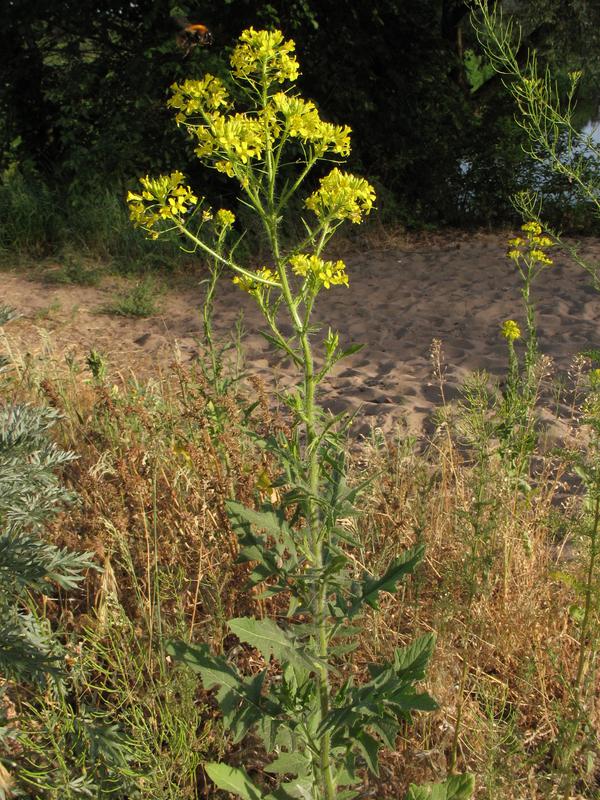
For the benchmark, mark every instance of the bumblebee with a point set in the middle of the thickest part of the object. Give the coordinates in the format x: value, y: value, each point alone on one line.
x: 192, y: 34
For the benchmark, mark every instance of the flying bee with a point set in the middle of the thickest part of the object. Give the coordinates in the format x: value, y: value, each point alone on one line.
x: 192, y: 34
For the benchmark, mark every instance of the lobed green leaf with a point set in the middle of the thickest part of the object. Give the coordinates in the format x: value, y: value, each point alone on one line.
x: 271, y: 640
x: 233, y: 780
x: 399, y: 569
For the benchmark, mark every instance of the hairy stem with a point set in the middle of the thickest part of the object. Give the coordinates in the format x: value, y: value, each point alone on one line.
x: 319, y: 603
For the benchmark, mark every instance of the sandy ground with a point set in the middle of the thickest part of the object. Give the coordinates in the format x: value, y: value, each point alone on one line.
x: 399, y: 300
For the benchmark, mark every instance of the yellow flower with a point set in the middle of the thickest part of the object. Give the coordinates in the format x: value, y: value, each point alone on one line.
x: 163, y: 199
x: 532, y: 227
x: 510, y: 330
x: 303, y: 122
x: 342, y: 196
x: 532, y: 249
x: 226, y: 167
x: 542, y: 241
x: 265, y: 52
x: 539, y: 255
x: 326, y: 273
x: 196, y: 96
x: 244, y: 282
x: 225, y: 218
x: 253, y: 287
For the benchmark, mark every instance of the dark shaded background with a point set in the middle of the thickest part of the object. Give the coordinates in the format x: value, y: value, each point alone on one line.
x: 83, y: 85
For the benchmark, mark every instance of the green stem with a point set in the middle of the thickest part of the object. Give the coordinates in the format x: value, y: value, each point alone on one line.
x: 297, y: 183
x: 222, y: 260
x: 320, y: 599
x: 531, y: 354
x: 207, y: 313
x: 319, y: 603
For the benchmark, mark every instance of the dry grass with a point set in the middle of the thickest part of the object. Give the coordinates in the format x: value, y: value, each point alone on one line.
x: 158, y: 459
x: 517, y: 648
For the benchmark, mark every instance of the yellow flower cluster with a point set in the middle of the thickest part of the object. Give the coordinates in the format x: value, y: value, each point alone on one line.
x: 533, y: 247
x: 162, y: 199
x: 225, y: 218
x: 238, y: 137
x: 327, y: 273
x: 302, y: 121
x: 196, y: 96
x: 247, y: 284
x: 265, y: 53
x: 510, y: 330
x: 234, y: 139
x: 242, y: 137
x: 342, y: 196
x: 228, y: 139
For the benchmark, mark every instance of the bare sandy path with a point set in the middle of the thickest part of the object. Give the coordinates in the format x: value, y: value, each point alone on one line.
x: 398, y: 301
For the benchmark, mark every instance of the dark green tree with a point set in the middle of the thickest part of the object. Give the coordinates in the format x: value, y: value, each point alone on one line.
x: 83, y: 88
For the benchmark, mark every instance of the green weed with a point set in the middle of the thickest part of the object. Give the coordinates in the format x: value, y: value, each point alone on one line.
x: 142, y: 300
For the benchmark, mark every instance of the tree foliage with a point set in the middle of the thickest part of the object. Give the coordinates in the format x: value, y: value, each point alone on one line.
x: 84, y: 87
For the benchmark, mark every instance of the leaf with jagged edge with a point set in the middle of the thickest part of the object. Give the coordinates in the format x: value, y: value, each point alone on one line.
x: 388, y: 697
x: 343, y: 649
x: 386, y: 730
x: 216, y: 672
x: 369, y: 747
x: 275, y: 733
x: 240, y: 716
x: 271, y: 640
x: 273, y: 522
x: 273, y: 559
x: 457, y: 787
x: 299, y: 789
x: 254, y: 548
x: 370, y: 587
x: 403, y: 703
x: 233, y: 780
x: 410, y: 662
x: 292, y: 763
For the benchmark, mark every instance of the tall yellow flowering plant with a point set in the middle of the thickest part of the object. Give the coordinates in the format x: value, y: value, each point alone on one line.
x: 318, y: 735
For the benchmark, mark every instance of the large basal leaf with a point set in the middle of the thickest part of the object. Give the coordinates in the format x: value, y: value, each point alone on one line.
x: 370, y: 588
x: 271, y: 640
x: 233, y: 780
x: 457, y: 787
